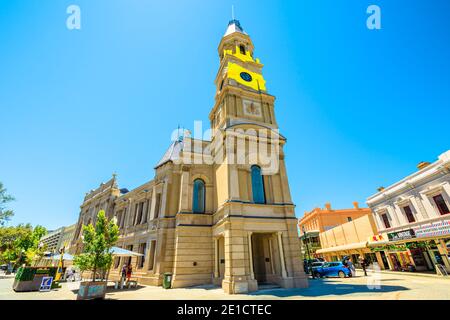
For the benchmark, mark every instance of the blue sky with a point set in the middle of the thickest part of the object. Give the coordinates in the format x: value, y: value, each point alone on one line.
x: 360, y: 108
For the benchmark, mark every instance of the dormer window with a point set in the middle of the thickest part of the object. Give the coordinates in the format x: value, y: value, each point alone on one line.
x: 242, y: 49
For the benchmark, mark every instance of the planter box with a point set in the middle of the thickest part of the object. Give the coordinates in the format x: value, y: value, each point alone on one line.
x: 90, y: 290
x: 33, y: 285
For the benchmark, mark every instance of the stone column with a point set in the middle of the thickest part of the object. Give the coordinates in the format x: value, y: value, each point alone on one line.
x: 283, y: 264
x: 234, y: 183
x: 271, y: 255
x: 250, y: 255
x: 417, y: 203
x: 216, y: 258
x: 164, y: 198
x: 284, y: 180
x: 392, y: 212
x: 184, y: 192
x: 128, y: 215
x: 152, y: 204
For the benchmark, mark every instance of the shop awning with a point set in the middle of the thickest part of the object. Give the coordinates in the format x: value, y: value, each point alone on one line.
x: 378, y: 243
x: 345, y: 247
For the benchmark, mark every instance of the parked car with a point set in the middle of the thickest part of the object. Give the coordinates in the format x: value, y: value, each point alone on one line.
x: 332, y: 269
x: 317, y: 264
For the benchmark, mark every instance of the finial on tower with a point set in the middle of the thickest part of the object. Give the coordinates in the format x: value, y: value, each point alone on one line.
x: 232, y: 12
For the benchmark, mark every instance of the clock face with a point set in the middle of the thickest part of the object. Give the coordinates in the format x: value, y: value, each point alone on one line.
x: 246, y: 76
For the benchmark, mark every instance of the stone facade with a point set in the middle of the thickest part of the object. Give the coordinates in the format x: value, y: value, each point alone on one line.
x: 216, y: 212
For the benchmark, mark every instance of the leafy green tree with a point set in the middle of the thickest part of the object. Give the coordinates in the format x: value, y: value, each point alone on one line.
x: 97, y: 243
x: 21, y: 244
x: 5, y: 214
x: 9, y: 235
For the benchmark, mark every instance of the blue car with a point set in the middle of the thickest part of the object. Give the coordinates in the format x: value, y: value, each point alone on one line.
x: 332, y: 269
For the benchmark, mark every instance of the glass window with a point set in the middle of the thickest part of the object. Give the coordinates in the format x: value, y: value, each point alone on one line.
x: 151, y: 262
x: 142, y: 248
x: 385, y: 220
x: 198, y: 205
x: 257, y: 185
x: 349, y: 219
x: 145, y: 216
x: 440, y: 203
x: 409, y: 214
x: 242, y: 49
x: 116, y: 262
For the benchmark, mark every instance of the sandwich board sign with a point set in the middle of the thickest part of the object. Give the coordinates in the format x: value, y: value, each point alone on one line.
x: 46, y: 284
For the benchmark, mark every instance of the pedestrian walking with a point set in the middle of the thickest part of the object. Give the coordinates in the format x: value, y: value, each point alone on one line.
x: 363, y: 263
x: 129, y: 272
x: 123, y: 275
x: 351, y: 267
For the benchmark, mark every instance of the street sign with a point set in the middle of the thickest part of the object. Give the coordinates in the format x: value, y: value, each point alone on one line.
x: 401, y: 235
x: 46, y: 284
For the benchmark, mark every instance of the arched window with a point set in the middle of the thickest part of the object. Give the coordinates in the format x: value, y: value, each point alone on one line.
x: 257, y: 185
x: 242, y: 49
x: 198, y: 205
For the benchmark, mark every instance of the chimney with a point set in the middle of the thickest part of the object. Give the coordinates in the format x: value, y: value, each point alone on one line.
x: 328, y: 206
x: 356, y: 205
x: 422, y: 165
x: 380, y: 189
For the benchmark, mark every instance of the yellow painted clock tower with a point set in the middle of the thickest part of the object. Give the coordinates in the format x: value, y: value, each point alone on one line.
x: 255, y: 232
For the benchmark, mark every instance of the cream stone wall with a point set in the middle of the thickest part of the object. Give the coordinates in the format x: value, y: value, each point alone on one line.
x: 358, y: 230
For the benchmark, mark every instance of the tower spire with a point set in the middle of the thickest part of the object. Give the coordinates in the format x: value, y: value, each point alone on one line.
x: 232, y: 12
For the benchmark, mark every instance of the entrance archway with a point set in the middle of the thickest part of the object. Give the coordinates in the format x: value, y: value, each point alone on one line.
x: 265, y: 258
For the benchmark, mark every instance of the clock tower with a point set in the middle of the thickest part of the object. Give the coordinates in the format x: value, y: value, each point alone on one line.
x: 241, y: 93
x: 254, y: 226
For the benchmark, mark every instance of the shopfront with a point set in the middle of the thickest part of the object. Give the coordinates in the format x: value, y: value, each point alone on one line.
x: 417, y: 249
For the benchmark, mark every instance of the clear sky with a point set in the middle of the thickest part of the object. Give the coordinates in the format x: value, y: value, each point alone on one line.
x: 360, y: 108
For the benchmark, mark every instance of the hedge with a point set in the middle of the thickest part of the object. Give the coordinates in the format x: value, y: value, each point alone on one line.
x: 28, y: 273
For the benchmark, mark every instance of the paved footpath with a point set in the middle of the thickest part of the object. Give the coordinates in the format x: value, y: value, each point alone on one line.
x: 381, y: 286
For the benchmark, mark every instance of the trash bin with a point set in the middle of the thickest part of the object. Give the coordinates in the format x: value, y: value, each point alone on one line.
x: 167, y: 281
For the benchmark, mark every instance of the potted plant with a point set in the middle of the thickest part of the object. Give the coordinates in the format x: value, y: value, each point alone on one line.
x: 96, y: 256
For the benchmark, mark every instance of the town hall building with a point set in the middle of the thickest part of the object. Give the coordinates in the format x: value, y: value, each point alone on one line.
x: 217, y: 211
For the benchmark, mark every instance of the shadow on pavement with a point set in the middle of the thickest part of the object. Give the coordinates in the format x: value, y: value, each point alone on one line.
x: 111, y: 289
x: 323, y: 288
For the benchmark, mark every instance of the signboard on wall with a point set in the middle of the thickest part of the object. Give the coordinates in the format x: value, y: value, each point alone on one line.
x: 440, y: 228
x: 402, y: 235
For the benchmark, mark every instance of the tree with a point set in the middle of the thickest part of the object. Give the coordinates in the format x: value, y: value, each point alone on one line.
x: 97, y: 244
x: 21, y: 244
x: 5, y: 214
x: 9, y: 235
